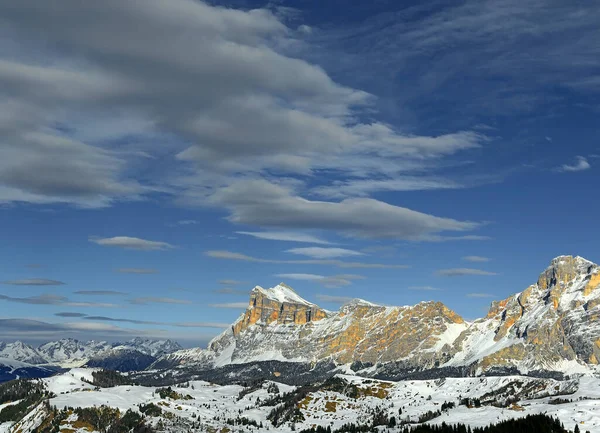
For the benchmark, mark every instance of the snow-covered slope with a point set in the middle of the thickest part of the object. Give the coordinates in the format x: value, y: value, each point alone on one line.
x: 10, y: 369
x: 198, y: 405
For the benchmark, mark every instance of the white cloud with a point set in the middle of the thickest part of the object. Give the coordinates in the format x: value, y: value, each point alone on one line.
x: 476, y: 259
x: 230, y: 255
x: 330, y: 281
x: 480, y: 295
x: 231, y: 282
x: 131, y: 243
x: 230, y: 88
x: 581, y: 164
x: 324, y: 253
x: 286, y: 236
x: 365, y: 187
x: 258, y: 202
x: 425, y: 288
x: 458, y: 272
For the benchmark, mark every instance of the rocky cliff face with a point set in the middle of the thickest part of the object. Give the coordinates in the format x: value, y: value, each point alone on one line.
x: 280, y: 305
x: 551, y: 325
x: 280, y: 325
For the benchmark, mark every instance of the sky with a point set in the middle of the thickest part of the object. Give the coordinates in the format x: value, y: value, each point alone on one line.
x: 160, y: 159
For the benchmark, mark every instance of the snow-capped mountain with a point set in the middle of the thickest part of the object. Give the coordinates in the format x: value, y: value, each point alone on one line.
x: 551, y: 326
x: 69, y: 352
x: 72, y: 351
x: 155, y: 348
x: 19, y: 351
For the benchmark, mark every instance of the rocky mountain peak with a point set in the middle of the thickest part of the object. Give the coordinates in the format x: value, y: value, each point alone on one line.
x: 279, y: 304
x: 563, y: 270
x: 281, y: 293
x: 355, y: 303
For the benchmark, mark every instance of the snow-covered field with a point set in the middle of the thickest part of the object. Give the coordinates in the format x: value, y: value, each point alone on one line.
x: 211, y: 405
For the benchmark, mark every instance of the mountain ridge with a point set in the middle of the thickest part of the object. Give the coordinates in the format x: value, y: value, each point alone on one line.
x: 551, y: 325
x: 70, y: 352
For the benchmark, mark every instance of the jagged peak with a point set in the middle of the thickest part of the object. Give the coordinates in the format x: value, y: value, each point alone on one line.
x: 281, y: 293
x: 566, y: 259
x: 358, y: 302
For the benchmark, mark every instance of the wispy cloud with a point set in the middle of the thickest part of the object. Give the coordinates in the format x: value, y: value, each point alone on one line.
x: 69, y: 314
x: 183, y: 223
x: 327, y: 281
x: 324, y: 253
x: 334, y: 299
x: 231, y: 291
x: 425, y: 288
x: 480, y: 295
x: 36, y: 329
x: 382, y: 250
x: 286, y: 237
x: 158, y: 300
x: 131, y: 243
x: 365, y: 187
x: 159, y: 323
x: 438, y: 238
x: 99, y: 292
x: 50, y: 299
x: 231, y: 282
x: 34, y: 282
x: 581, y: 164
x: 234, y: 305
x: 459, y: 272
x: 137, y: 271
x: 229, y: 255
x: 476, y: 259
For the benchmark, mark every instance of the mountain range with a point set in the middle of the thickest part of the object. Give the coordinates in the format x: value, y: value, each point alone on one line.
x: 551, y: 326
x: 136, y: 354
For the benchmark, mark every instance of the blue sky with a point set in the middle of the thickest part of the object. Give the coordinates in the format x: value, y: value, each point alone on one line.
x: 160, y: 159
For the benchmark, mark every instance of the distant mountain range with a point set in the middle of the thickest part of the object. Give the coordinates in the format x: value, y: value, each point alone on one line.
x: 551, y: 326
x: 18, y: 358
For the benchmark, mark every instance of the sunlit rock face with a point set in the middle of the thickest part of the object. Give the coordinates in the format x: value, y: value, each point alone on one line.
x: 281, y: 305
x: 551, y: 325
x: 544, y: 327
x: 278, y: 324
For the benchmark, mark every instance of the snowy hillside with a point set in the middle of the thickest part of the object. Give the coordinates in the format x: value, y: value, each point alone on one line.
x: 343, y: 399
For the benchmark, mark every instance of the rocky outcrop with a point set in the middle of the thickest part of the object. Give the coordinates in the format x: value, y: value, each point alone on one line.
x: 549, y: 324
x: 265, y: 308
